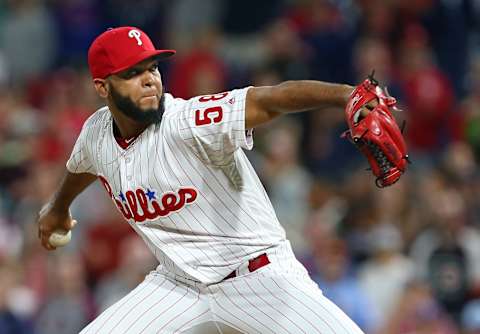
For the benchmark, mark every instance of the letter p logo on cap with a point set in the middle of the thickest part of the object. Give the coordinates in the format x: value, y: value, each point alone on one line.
x: 118, y: 49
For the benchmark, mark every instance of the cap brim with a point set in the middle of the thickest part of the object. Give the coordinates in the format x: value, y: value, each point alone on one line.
x: 158, y: 54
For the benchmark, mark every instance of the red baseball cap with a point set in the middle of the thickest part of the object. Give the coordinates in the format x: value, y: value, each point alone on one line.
x: 117, y: 49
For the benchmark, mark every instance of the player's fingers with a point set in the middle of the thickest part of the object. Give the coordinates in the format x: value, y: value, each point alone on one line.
x: 368, y: 107
x: 43, y: 234
x: 69, y: 224
x: 372, y: 104
x: 42, y: 230
x: 45, y: 243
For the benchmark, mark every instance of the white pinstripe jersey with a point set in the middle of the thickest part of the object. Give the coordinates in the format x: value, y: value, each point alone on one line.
x: 185, y: 185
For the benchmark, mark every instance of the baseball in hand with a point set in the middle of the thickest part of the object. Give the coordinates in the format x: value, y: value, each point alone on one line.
x: 60, y: 238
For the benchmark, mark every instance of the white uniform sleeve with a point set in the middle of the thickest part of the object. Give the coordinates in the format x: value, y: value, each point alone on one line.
x: 80, y: 160
x: 214, y: 126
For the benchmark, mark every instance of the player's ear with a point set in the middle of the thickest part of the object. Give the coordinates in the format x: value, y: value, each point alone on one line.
x: 101, y: 87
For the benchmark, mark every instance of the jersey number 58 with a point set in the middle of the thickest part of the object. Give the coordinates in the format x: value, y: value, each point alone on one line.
x: 212, y: 114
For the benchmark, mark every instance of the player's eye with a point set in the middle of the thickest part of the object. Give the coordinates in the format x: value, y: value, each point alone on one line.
x: 130, y: 73
x: 154, y: 67
x: 133, y: 72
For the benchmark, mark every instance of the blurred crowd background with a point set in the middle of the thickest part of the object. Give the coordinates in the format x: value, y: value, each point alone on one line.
x: 400, y: 260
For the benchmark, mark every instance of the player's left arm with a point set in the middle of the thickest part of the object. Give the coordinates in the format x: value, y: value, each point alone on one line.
x: 263, y: 104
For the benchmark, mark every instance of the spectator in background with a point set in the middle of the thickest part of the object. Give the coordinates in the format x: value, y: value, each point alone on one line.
x: 384, y: 277
x: 141, y: 13
x: 101, y: 250
x: 135, y: 262
x: 18, y: 126
x: 278, y: 48
x: 199, y: 71
x: 186, y: 18
x: 10, y: 323
x: 328, y: 36
x: 28, y: 193
x: 69, y: 306
x: 330, y: 266
x: 287, y: 181
x: 77, y: 23
x: 461, y: 169
x: 449, y: 24
x: 338, y: 282
x: 28, y: 39
x: 419, y: 313
x: 379, y: 19
x: 470, y: 109
x: 285, y: 51
x: 447, y: 254
x: 64, y: 112
x: 327, y: 209
x: 458, y: 163
x: 360, y: 215
x: 374, y: 54
x: 429, y: 96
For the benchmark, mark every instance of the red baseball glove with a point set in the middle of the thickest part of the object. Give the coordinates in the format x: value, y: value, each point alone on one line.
x: 374, y: 131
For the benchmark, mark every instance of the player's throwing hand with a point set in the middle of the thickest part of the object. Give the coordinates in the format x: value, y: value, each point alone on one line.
x: 54, y: 226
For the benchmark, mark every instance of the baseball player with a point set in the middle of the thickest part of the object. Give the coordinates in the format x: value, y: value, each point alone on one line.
x: 176, y: 171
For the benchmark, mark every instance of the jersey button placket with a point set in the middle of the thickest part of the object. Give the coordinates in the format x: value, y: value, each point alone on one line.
x: 126, y: 171
x: 129, y: 164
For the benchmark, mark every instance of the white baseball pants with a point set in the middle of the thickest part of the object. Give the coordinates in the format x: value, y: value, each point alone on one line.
x: 275, y: 299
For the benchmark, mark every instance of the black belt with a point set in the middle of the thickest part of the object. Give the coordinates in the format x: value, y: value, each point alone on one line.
x: 253, y: 264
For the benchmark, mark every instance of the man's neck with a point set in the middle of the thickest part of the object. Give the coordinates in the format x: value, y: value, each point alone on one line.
x: 126, y: 128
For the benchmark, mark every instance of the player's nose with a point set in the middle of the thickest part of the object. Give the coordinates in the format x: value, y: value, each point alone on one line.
x: 148, y: 79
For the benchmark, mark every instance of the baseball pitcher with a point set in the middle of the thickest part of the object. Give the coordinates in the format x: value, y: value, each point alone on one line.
x: 177, y: 172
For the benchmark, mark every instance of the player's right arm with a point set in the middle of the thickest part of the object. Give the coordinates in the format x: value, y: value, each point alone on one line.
x: 55, y: 214
x: 80, y: 173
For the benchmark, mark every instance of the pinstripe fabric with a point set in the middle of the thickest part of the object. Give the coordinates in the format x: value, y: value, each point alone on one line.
x: 158, y: 305
x: 229, y: 218
x: 277, y: 298
x: 186, y: 187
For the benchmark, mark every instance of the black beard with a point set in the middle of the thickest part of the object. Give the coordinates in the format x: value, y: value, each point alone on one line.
x: 132, y: 111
